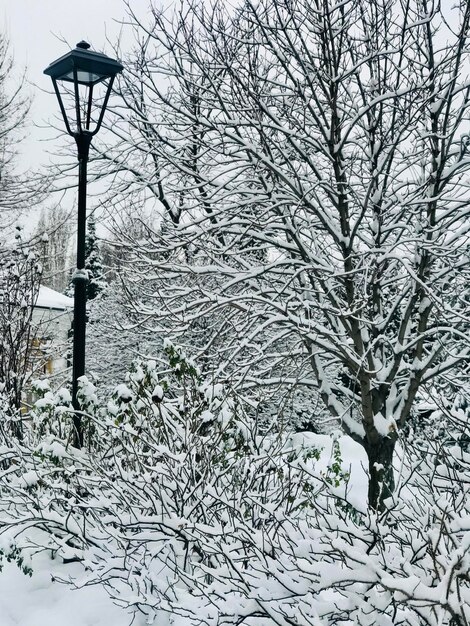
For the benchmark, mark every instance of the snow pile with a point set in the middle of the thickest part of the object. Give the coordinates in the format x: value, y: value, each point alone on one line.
x: 42, y: 601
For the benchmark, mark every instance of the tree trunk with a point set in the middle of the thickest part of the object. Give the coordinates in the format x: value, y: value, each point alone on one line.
x: 381, y: 479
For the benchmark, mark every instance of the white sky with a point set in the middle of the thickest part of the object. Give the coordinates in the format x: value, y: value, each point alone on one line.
x: 36, y: 29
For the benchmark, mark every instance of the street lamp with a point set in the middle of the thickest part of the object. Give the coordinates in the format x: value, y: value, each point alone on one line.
x: 77, y: 73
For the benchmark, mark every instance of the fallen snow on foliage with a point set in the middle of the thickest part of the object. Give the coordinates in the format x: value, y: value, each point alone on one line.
x: 42, y: 601
x: 353, y: 462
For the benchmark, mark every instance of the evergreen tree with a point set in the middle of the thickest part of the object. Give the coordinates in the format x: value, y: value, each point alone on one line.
x: 93, y: 262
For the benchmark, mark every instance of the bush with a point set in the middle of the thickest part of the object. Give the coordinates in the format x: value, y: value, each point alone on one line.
x: 181, y: 504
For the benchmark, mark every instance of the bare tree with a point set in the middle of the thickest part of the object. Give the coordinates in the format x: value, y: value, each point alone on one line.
x: 17, y: 190
x: 53, y: 234
x: 19, y: 268
x: 19, y: 288
x: 13, y: 110
x: 330, y: 136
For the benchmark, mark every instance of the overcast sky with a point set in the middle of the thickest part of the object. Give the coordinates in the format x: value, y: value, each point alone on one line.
x: 36, y: 29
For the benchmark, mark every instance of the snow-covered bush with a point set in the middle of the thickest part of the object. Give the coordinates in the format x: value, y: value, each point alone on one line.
x: 180, y: 505
x: 184, y: 473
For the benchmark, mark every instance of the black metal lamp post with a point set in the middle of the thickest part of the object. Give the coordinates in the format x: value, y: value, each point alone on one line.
x: 82, y: 69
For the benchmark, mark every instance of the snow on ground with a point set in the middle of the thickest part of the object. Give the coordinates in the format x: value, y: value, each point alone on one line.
x: 39, y: 601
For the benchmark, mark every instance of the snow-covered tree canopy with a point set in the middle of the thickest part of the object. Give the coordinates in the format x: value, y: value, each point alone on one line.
x: 312, y: 159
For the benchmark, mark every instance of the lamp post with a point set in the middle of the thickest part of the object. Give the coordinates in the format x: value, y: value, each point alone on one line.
x: 82, y: 70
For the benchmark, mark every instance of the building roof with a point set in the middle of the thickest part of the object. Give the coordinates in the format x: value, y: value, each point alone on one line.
x: 50, y: 299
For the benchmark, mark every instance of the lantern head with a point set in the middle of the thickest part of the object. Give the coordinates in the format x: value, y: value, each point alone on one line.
x: 77, y: 73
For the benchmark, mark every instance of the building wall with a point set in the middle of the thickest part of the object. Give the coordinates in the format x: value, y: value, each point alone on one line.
x: 51, y: 340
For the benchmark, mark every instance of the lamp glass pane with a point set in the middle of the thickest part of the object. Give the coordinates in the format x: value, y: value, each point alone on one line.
x: 83, y: 77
